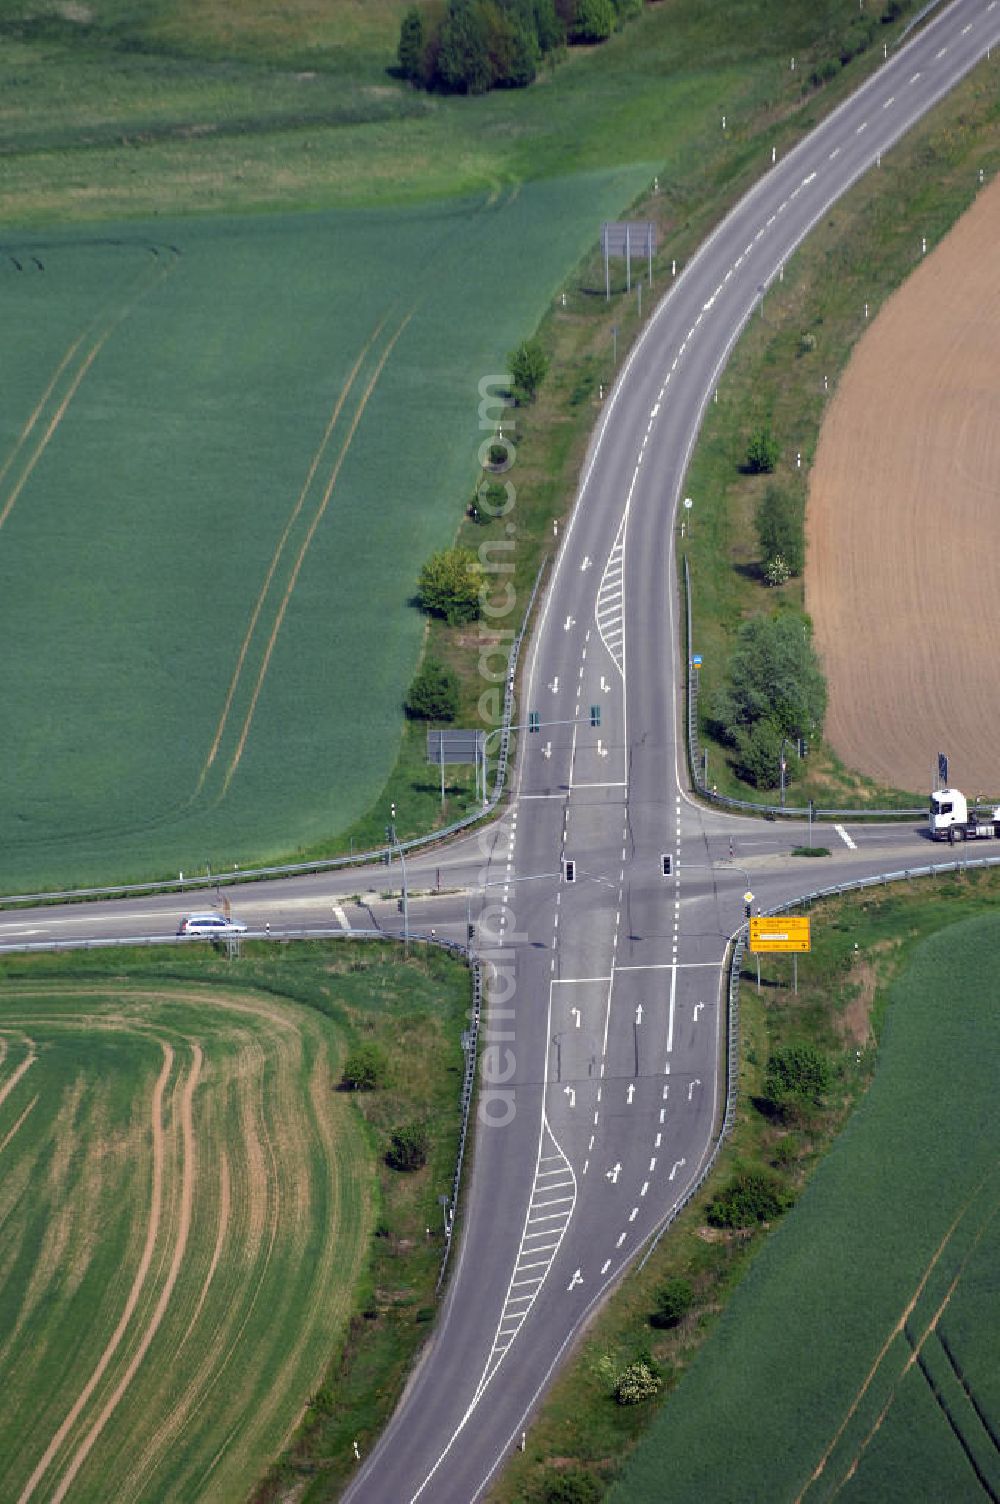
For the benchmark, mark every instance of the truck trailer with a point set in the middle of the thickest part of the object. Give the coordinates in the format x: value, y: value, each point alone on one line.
x: 952, y: 820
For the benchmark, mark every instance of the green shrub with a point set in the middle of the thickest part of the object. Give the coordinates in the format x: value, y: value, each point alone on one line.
x: 450, y: 583
x: 364, y: 1068
x: 763, y: 451
x: 528, y: 366
x: 751, y: 1197
x: 571, y: 1485
x: 773, y: 675
x: 408, y: 1148
x: 411, y: 45
x: 433, y: 695
x: 781, y: 528
x: 638, y: 1382
x: 594, y: 21
x: 673, y: 1301
x: 798, y: 1075
x: 758, y: 755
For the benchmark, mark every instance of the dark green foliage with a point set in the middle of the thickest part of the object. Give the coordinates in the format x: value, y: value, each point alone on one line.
x: 433, y: 694
x: 758, y: 755
x: 408, y: 1148
x: 775, y: 689
x: 571, y: 1485
x: 638, y: 1382
x: 796, y: 1077
x: 411, y: 45
x: 364, y: 1068
x: 594, y: 21
x: 464, y: 65
x: 528, y: 366
x: 449, y: 585
x: 763, y: 451
x: 781, y: 529
x: 478, y: 45
x: 751, y: 1197
x: 673, y: 1301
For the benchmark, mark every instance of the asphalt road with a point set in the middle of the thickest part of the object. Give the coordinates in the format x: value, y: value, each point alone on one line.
x: 603, y: 1046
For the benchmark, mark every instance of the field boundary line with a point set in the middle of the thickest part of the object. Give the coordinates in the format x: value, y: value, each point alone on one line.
x: 152, y: 1228
x: 359, y: 413
x: 180, y: 1247
x: 276, y: 558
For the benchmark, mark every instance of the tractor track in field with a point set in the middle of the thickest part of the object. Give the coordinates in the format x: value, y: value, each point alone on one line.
x: 139, y: 1279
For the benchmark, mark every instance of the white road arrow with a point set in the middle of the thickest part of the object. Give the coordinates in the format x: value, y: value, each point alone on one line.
x: 585, y: 564
x: 605, y: 686
x: 638, y: 1013
x: 697, y: 1008
x: 569, y: 623
x: 569, y: 1092
x: 576, y: 1280
x: 613, y: 1173
x: 576, y: 1016
x: 554, y: 686
x: 630, y: 1093
x: 677, y: 1165
x: 547, y: 750
x: 691, y: 1087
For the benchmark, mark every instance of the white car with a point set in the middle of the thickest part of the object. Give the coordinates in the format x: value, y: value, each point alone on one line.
x: 211, y: 925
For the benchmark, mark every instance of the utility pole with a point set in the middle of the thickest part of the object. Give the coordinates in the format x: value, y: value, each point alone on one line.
x: 391, y: 837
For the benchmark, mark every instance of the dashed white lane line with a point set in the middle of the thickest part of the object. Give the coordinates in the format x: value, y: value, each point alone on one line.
x: 842, y: 833
x: 862, y: 127
x: 914, y: 78
x: 834, y: 153
x: 890, y: 101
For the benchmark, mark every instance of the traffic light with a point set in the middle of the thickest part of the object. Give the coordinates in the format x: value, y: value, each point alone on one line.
x: 534, y: 720
x: 595, y: 715
x: 569, y: 867
x: 667, y: 863
x: 470, y: 933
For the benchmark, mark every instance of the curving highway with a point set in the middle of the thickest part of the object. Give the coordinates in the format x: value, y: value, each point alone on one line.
x: 602, y: 1062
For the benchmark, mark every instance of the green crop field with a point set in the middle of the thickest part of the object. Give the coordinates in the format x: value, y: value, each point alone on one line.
x: 185, y: 1208
x: 229, y: 446
x: 858, y: 1357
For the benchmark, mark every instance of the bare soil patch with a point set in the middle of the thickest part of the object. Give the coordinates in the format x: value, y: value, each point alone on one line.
x: 903, y: 567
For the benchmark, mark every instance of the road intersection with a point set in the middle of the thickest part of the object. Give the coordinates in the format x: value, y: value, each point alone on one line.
x: 603, y: 1044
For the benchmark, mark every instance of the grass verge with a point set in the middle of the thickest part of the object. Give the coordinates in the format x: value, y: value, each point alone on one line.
x: 862, y: 943
x: 783, y: 373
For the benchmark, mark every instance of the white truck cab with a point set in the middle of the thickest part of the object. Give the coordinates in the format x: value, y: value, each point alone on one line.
x: 950, y: 819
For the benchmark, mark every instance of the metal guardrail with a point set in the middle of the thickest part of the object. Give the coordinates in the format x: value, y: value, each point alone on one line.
x: 323, y: 864
x: 468, y: 1092
x: 726, y: 801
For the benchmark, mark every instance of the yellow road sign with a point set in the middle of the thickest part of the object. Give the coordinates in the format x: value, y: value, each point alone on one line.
x: 786, y: 932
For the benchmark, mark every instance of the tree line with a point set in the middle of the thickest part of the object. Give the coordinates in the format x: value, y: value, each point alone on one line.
x: 472, y: 46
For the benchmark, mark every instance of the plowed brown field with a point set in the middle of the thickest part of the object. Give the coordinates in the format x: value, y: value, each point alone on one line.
x: 903, y: 525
